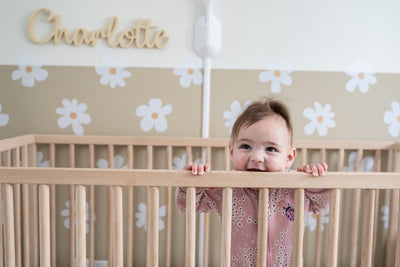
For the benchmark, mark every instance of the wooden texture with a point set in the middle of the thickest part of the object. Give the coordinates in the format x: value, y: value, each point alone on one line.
x: 13, y: 150
x: 226, y: 226
x: 262, y: 235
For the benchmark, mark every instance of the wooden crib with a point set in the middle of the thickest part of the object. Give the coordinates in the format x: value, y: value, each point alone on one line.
x: 32, y: 236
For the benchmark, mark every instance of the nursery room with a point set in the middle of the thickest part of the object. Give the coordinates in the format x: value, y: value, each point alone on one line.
x: 102, y: 104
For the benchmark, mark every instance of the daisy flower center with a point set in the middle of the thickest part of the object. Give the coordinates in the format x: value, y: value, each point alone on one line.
x: 320, y: 119
x: 154, y: 115
x: 112, y: 71
x: 190, y: 71
x: 73, y: 115
x: 361, y: 76
x: 277, y: 73
x: 28, y: 69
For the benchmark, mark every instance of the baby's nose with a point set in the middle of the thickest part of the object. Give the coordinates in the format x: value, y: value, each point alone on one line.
x: 257, y: 156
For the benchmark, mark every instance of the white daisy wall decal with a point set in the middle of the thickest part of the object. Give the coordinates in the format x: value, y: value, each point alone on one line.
x: 73, y: 113
x: 29, y: 70
x: 180, y: 162
x: 311, y: 221
x: 231, y: 115
x: 66, y: 213
x: 277, y: 74
x: 118, y: 161
x: 362, y: 76
x: 189, y: 76
x: 392, y: 117
x: 154, y: 115
x: 142, y: 217
x: 40, y: 162
x: 321, y: 119
x: 4, y: 118
x: 367, y: 163
x: 113, y: 71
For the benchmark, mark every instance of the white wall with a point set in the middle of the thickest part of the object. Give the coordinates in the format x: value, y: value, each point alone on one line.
x: 300, y: 34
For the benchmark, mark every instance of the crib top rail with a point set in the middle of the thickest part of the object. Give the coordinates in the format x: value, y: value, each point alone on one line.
x: 178, y: 178
x: 15, y: 142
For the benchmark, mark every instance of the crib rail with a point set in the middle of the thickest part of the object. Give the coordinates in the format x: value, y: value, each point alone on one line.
x: 18, y: 172
x: 81, y: 178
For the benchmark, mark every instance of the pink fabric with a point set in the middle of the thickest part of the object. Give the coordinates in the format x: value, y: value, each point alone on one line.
x: 245, y: 215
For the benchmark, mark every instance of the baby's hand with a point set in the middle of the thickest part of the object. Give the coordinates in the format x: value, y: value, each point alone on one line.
x: 319, y: 169
x: 197, y: 169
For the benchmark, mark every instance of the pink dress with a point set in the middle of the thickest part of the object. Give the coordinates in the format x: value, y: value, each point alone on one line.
x: 245, y: 215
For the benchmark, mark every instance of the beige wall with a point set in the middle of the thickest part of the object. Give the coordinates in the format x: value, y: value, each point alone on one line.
x: 112, y: 111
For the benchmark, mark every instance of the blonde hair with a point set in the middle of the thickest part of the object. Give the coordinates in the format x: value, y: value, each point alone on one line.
x: 257, y: 111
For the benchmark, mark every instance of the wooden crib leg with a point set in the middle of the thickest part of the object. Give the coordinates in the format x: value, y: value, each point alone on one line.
x: 298, y: 228
x: 333, y: 231
x: 153, y: 198
x: 44, y: 228
x: 262, y: 237
x: 367, y: 240
x: 9, y: 226
x: 119, y: 233
x: 80, y: 226
x: 190, y: 243
x: 397, y: 259
x: 226, y: 226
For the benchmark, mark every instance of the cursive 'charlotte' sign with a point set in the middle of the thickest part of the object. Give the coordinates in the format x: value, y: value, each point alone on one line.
x: 139, y: 35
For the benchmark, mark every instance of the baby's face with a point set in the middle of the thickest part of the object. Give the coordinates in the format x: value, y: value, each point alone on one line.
x: 263, y: 146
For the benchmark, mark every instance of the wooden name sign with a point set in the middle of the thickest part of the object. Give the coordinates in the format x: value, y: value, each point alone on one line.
x: 138, y: 35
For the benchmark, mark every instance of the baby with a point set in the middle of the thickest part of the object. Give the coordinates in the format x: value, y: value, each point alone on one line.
x: 261, y: 140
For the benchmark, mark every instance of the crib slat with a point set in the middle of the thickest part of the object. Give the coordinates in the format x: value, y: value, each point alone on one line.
x: 17, y: 210
x: 333, y: 231
x: 9, y: 226
x: 262, y: 227
x: 303, y: 156
x: 91, y: 210
x: 377, y: 168
x: 129, y: 241
x: 318, y: 237
x: 52, y: 154
x: 25, y: 212
x: 394, y: 206
x: 367, y: 240
x: 33, y: 210
x: 1, y: 226
x: 44, y: 219
x: 111, y: 210
x: 298, y: 228
x: 190, y: 244
x: 80, y: 226
x: 72, y: 208
x: 356, y: 215
x: 226, y: 225
x: 188, y: 154
x: 168, y: 219
x: 129, y: 230
x: 119, y: 233
x: 153, y: 198
x: 397, y: 257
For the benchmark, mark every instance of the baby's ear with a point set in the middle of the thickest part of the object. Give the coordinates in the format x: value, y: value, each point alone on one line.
x: 291, y: 157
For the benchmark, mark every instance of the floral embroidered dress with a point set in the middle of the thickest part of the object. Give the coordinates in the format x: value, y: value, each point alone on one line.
x: 245, y: 216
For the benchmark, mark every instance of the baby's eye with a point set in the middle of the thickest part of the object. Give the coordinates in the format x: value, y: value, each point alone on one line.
x: 270, y: 149
x: 244, y: 146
